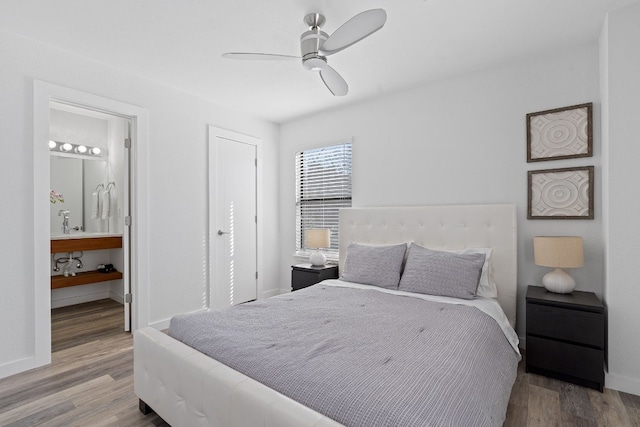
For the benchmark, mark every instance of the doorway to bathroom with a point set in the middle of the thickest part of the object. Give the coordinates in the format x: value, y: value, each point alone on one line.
x: 99, y: 253
x: 90, y: 199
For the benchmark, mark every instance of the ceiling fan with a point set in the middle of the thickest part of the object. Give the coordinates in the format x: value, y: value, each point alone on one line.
x: 316, y: 45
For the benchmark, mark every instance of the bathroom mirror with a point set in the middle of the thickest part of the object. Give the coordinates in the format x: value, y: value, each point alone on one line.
x: 76, y: 179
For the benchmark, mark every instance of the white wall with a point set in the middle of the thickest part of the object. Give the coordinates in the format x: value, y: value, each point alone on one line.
x: 456, y: 142
x: 177, y: 191
x: 66, y: 126
x: 620, y: 69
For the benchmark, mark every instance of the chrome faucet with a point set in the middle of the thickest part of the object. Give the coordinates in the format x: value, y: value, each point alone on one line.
x: 65, y: 220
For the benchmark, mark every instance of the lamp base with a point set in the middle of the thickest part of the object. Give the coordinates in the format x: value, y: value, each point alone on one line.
x: 318, y: 259
x: 559, y: 282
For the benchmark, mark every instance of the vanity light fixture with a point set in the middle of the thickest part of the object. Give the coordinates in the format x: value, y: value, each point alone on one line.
x: 67, y: 149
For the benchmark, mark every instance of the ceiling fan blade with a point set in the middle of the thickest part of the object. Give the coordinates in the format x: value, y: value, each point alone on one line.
x: 259, y: 56
x: 334, y: 81
x: 355, y: 29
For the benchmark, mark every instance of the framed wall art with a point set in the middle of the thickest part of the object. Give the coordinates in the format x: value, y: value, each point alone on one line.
x: 562, y: 133
x: 561, y: 193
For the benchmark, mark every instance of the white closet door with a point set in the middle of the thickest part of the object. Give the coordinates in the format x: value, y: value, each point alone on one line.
x: 234, y: 225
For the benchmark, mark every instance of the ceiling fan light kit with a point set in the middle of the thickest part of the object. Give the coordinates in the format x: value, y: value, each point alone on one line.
x: 310, y: 42
x: 316, y: 45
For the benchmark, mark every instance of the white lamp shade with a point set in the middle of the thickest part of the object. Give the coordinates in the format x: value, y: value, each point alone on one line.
x: 317, y: 238
x: 558, y: 251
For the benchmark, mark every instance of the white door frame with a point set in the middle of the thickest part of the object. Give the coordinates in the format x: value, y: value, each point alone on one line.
x: 43, y: 93
x: 215, y: 132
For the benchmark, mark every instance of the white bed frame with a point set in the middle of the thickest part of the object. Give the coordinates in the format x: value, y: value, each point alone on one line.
x: 187, y: 388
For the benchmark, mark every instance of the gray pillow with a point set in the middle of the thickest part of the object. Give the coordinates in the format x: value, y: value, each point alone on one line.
x: 441, y: 273
x: 374, y: 265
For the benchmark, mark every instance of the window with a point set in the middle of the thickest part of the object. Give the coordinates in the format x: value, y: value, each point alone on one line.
x: 323, y: 186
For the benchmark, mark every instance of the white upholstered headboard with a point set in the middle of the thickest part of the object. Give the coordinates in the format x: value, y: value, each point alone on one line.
x: 443, y: 227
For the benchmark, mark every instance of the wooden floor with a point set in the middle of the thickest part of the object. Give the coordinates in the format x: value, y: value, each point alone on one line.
x: 79, y: 324
x: 542, y: 401
x: 90, y: 379
x: 90, y: 383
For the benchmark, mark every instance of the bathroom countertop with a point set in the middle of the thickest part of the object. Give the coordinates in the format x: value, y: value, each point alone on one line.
x: 85, y: 242
x: 83, y: 235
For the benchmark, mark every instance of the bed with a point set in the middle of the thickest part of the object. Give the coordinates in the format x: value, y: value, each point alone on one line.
x: 188, y: 388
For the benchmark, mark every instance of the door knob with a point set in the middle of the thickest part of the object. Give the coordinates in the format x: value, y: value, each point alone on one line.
x: 220, y: 232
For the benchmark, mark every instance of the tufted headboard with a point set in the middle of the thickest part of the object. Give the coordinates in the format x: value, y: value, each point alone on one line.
x: 443, y: 227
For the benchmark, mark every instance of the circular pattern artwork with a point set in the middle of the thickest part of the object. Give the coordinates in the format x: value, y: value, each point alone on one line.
x: 561, y: 193
x: 560, y: 133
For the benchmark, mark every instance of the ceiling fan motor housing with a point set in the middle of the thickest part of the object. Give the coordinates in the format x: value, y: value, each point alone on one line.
x: 310, y: 42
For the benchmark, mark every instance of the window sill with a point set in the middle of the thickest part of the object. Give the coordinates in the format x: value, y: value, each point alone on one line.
x: 303, y: 256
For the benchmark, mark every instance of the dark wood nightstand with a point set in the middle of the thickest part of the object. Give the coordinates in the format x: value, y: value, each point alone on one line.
x: 566, y: 336
x: 303, y: 275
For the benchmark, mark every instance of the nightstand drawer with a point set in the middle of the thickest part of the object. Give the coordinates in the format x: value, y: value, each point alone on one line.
x: 565, y: 359
x: 303, y: 275
x: 302, y: 279
x: 575, y: 326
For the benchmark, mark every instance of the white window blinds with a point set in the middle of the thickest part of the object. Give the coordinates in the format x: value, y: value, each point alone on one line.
x: 323, y: 186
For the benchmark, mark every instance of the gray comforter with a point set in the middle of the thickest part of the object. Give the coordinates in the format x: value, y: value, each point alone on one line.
x: 365, y: 358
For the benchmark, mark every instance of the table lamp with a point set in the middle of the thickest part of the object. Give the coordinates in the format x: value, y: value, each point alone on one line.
x: 558, y: 252
x: 317, y: 238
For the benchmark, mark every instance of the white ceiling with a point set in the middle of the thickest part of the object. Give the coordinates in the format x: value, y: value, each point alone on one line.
x: 179, y: 43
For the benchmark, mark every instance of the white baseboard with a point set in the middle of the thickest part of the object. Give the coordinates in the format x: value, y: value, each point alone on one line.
x: 274, y: 292
x: 164, y: 324
x: 116, y: 297
x: 79, y: 299
x: 625, y: 384
x: 161, y: 324
x: 17, y: 366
